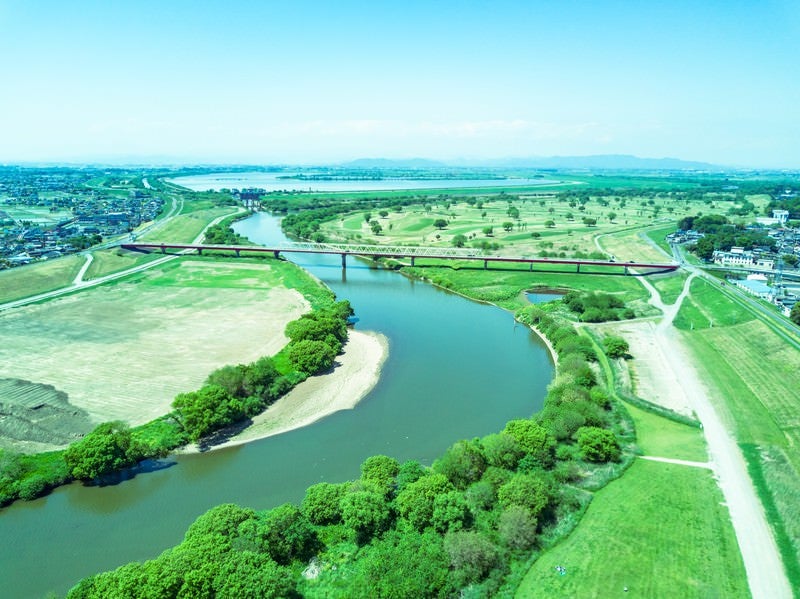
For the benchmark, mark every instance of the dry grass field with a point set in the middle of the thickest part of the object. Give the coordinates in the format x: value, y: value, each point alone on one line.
x: 124, y: 350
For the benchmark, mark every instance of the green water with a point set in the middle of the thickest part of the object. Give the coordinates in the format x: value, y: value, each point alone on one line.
x: 456, y: 369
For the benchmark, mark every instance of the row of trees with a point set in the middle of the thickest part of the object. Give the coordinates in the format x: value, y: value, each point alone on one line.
x: 406, y: 530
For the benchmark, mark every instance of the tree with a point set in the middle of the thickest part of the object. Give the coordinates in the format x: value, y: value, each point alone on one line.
x: 367, y: 513
x: 501, y: 449
x: 597, y: 444
x: 245, y: 575
x: 616, y: 347
x: 259, y: 378
x: 440, y: 223
x: 108, y: 448
x: 704, y: 248
x: 380, y: 470
x: 311, y: 356
x: 450, y: 511
x: 612, y: 216
x: 472, y: 556
x: 517, y: 527
x: 231, y: 378
x: 533, y: 439
x: 383, y: 213
x: 415, y: 501
x: 525, y: 490
x: 206, y: 410
x: 589, y: 222
x: 459, y: 241
x: 321, y: 503
x: 513, y: 212
x: 549, y: 224
x: 508, y: 226
x: 794, y: 315
x: 287, y: 534
x: 376, y: 227
x: 463, y: 463
x: 488, y: 231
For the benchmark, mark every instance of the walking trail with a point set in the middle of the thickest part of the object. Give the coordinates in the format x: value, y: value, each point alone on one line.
x: 765, y: 573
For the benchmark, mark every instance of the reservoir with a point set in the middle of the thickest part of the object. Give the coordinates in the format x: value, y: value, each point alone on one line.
x: 456, y: 369
x: 273, y: 182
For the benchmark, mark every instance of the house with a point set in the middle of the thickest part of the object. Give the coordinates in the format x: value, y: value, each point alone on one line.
x: 755, y: 287
x: 781, y: 216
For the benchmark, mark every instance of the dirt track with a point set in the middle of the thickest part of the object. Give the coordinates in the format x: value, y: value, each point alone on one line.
x: 765, y: 573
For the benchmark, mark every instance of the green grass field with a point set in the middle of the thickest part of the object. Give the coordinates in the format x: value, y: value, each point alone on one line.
x: 185, y: 227
x: 106, y: 262
x: 754, y: 375
x: 670, y: 285
x: 660, y: 530
x: 40, y: 277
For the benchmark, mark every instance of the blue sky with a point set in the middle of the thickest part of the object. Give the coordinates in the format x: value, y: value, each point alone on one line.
x: 309, y: 82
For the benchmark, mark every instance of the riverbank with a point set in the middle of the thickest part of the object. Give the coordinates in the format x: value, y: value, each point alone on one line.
x: 356, y: 372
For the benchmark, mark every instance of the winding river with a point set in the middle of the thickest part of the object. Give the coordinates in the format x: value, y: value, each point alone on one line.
x: 456, y: 369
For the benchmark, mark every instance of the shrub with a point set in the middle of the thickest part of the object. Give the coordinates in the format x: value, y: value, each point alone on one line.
x: 597, y: 444
x: 311, y: 356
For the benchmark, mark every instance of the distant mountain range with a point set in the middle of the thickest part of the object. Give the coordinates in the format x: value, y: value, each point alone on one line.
x: 600, y: 161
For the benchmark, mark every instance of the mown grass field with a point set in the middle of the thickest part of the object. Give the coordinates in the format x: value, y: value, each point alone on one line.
x: 529, y: 234
x: 660, y: 530
x: 754, y: 377
x: 39, y: 277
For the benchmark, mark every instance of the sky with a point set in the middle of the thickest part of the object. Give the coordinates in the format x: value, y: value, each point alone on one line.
x: 307, y: 82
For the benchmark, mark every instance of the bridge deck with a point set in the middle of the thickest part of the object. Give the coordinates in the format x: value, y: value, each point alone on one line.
x: 388, y: 251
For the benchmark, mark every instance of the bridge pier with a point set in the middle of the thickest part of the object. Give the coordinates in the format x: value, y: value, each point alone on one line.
x: 579, y: 267
x: 199, y: 251
x: 277, y: 254
x: 237, y: 252
x: 626, y: 270
x: 344, y: 261
x: 485, y: 264
x: 412, y: 260
x: 163, y: 249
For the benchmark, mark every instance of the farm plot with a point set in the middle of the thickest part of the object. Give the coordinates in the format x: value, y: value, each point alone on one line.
x: 123, y: 351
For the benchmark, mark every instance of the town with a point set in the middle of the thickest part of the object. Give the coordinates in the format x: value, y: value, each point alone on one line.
x: 48, y: 213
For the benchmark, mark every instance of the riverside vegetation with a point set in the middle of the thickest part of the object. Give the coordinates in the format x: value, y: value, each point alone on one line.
x: 472, y: 522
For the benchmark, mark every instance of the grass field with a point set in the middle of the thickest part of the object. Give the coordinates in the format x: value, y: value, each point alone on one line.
x: 528, y: 233
x: 630, y: 245
x: 754, y: 377
x: 106, y: 262
x: 39, y: 277
x: 661, y: 531
x: 670, y: 285
x: 184, y: 228
x: 125, y: 349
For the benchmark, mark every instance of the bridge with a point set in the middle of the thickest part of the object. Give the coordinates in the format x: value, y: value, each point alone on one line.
x: 411, y: 253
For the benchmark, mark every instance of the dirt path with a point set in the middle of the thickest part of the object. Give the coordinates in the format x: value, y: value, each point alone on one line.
x: 689, y: 463
x: 765, y: 573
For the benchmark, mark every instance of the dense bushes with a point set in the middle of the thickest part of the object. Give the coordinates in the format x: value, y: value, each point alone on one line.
x: 597, y: 307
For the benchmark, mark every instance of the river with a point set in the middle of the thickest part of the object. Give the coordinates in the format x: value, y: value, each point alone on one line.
x: 456, y: 369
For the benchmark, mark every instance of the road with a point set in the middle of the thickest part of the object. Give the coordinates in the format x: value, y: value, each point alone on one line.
x: 79, y: 284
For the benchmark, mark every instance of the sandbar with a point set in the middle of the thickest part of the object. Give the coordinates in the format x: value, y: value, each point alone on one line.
x: 356, y: 371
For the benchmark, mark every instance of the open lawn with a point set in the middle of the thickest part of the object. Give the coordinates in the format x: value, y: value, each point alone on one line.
x: 635, y: 244
x: 519, y: 223
x: 660, y: 437
x: 661, y: 531
x: 125, y: 349
x: 38, y: 277
x: 106, y: 262
x: 185, y: 227
x: 669, y: 285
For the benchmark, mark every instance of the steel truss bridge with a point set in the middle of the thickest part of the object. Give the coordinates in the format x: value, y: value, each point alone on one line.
x: 412, y: 253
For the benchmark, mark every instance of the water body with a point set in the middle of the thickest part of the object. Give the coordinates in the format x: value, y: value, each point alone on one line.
x: 456, y: 369
x: 271, y: 182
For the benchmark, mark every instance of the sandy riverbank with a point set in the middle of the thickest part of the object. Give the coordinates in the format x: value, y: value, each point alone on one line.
x: 356, y: 372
